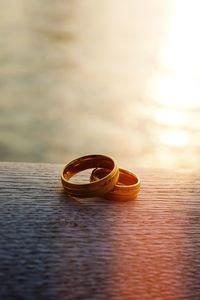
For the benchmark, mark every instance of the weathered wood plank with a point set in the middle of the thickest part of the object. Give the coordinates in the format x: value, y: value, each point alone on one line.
x: 55, y: 247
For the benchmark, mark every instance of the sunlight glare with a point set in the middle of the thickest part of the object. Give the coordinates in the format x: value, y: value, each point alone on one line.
x: 170, y: 117
x: 177, y: 138
x: 179, y: 84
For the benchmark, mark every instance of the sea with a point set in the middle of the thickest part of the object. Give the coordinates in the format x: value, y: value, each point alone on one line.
x: 120, y: 78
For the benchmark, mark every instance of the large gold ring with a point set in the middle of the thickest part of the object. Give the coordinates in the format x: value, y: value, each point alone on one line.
x: 96, y: 188
x: 127, y: 187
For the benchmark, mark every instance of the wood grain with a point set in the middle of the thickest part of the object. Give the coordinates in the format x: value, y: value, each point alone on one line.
x: 56, y: 247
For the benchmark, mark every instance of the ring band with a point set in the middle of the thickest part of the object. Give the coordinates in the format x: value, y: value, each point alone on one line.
x: 127, y: 187
x: 98, y: 187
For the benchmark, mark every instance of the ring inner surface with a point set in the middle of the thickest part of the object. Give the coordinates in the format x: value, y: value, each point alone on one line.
x: 125, y: 178
x: 84, y: 163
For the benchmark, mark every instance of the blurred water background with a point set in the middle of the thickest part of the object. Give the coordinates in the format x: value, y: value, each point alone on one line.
x: 104, y: 76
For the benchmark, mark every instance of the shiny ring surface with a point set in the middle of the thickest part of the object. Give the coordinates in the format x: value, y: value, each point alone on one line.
x: 98, y: 187
x: 127, y: 187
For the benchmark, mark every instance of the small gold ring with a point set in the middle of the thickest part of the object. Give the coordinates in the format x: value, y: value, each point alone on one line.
x: 127, y: 187
x: 96, y: 188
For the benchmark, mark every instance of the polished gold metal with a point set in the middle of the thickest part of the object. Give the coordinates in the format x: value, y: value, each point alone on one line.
x: 127, y: 187
x: 98, y: 187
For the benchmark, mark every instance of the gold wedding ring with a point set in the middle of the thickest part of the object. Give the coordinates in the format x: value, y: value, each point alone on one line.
x: 127, y: 187
x: 100, y: 186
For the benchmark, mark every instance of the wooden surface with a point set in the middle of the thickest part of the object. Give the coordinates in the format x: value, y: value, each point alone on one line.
x: 55, y: 247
